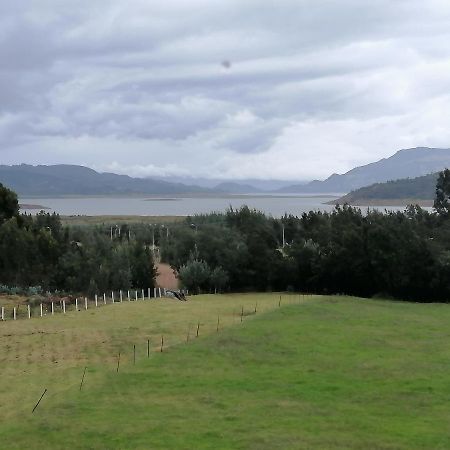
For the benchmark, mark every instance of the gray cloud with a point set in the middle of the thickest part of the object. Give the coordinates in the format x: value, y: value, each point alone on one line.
x: 140, y: 87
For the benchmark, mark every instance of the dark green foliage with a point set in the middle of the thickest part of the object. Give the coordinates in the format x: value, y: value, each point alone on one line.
x: 38, y: 251
x: 441, y: 203
x: 398, y: 254
x: 9, y: 206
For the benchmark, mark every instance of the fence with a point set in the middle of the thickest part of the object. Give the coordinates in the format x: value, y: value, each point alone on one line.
x: 50, y: 307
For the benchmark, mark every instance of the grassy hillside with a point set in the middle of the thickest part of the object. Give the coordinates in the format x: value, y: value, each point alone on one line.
x: 420, y: 188
x: 324, y: 373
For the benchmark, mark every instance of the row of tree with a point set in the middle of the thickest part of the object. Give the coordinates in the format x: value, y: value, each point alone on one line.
x: 391, y: 254
x: 405, y: 255
x: 39, y: 251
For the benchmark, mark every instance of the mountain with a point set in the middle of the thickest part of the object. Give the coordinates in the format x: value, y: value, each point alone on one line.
x: 404, y: 190
x: 407, y: 163
x: 231, y: 187
x: 62, y: 179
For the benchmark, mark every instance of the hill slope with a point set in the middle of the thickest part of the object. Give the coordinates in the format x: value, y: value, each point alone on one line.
x: 408, y: 163
x: 333, y: 372
x: 420, y: 188
x: 78, y: 180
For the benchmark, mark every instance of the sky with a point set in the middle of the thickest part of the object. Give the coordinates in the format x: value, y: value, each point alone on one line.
x: 235, y: 89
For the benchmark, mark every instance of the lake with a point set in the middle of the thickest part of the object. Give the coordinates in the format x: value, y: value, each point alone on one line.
x: 275, y: 205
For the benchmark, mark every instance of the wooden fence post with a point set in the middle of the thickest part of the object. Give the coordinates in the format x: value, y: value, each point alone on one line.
x: 82, y: 378
x: 37, y: 404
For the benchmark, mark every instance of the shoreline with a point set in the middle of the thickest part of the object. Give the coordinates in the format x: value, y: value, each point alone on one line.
x: 398, y: 202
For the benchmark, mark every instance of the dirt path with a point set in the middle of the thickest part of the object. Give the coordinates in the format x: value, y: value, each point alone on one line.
x: 166, y: 278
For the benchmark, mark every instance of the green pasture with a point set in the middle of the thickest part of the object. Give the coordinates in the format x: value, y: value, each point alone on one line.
x: 317, y: 372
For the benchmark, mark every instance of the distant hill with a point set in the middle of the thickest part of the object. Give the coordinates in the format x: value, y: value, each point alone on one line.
x: 237, y: 188
x: 408, y: 163
x: 411, y: 189
x: 62, y: 179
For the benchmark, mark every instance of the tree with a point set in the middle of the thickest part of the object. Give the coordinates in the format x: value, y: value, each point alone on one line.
x: 9, y: 205
x: 441, y: 202
x: 218, y: 279
x: 195, y: 275
x: 143, y: 271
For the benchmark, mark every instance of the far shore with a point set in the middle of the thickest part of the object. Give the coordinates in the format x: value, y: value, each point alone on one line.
x: 34, y: 207
x: 425, y: 203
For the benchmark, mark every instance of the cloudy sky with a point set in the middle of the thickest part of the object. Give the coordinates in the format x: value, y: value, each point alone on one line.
x: 283, y: 89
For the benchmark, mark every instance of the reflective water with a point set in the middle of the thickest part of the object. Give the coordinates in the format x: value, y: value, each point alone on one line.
x: 181, y: 206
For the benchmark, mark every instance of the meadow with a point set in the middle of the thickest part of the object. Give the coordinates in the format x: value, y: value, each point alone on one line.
x: 313, y: 372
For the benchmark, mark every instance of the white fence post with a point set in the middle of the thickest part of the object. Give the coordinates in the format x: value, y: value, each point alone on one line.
x: 160, y: 293
x: 53, y: 309
x: 3, y: 313
x: 85, y: 303
x: 164, y: 291
x: 143, y: 297
x: 42, y: 311
x: 104, y: 299
x: 154, y: 292
x: 64, y: 306
x: 14, y: 313
x: 128, y: 295
x: 76, y: 304
x: 29, y: 311
x: 96, y: 300
x: 135, y: 294
x: 121, y: 296
x: 112, y: 296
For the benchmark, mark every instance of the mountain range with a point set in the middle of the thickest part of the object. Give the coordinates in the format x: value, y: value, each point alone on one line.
x: 60, y: 180
x: 408, y: 163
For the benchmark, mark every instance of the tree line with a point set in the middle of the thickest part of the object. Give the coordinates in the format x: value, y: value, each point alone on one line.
x: 404, y: 255
x: 38, y: 251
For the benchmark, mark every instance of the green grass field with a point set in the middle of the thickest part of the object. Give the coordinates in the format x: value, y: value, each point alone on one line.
x: 319, y: 372
x: 118, y: 220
